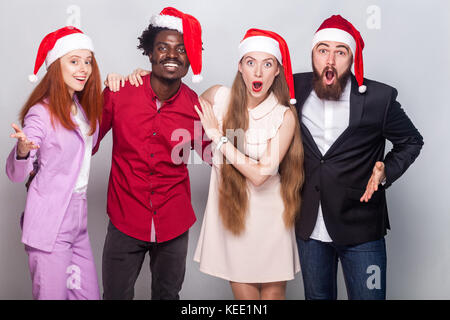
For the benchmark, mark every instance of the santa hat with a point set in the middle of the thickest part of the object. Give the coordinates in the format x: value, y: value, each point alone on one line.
x: 338, y: 29
x: 57, y: 44
x: 272, y: 43
x: 191, y: 29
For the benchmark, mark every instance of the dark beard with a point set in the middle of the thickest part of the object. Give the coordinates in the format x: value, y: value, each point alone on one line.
x: 334, y: 91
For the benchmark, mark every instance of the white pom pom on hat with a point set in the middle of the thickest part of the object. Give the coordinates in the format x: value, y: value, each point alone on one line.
x: 196, y: 78
x: 32, y: 78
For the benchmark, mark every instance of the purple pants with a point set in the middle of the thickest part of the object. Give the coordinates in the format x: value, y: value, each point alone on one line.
x: 68, y: 272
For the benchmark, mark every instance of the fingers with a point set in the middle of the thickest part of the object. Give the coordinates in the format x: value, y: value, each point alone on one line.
x: 208, y: 111
x: 107, y: 81
x: 378, y: 174
x: 206, y: 106
x: 142, y: 72
x: 132, y: 79
x: 16, y: 128
x: 136, y: 77
x: 200, y: 114
x: 19, y: 134
x: 372, y: 186
x: 114, y: 81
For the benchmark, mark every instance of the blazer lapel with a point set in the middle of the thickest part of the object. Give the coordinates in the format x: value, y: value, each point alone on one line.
x: 303, y: 90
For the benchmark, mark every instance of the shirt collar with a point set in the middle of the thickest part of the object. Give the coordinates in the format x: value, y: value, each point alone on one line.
x: 264, y: 107
x: 346, y: 93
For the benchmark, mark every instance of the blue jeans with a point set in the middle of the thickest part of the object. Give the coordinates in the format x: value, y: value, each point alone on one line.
x: 363, y: 266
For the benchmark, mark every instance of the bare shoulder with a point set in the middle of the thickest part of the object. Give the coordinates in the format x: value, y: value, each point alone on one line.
x: 210, y: 93
x: 289, y: 118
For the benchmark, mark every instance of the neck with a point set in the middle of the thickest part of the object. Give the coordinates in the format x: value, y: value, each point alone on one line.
x: 71, y: 93
x: 253, y: 102
x: 163, y: 88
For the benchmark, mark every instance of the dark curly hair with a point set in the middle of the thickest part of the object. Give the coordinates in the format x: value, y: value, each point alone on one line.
x: 147, y: 39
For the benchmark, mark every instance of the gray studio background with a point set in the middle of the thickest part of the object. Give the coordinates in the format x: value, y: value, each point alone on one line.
x: 407, y: 46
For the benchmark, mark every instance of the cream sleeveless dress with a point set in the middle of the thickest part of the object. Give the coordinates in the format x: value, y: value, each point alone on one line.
x: 266, y: 251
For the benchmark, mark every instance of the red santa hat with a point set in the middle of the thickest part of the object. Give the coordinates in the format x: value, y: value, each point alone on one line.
x: 191, y: 29
x: 58, y: 43
x: 338, y: 29
x: 272, y: 43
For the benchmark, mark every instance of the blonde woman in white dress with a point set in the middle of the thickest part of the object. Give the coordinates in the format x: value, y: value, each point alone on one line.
x: 247, y: 236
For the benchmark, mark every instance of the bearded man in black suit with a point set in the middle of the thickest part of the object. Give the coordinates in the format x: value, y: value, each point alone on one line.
x: 345, y: 122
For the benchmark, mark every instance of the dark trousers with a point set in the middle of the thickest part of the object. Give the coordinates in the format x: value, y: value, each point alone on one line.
x: 122, y: 261
x: 363, y: 266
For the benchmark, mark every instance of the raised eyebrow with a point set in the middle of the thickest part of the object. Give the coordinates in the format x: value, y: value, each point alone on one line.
x: 342, y: 46
x: 75, y: 56
x: 167, y: 44
x: 322, y: 44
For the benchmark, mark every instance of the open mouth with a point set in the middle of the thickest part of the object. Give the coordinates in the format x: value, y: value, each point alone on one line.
x: 329, y: 77
x: 171, y: 66
x: 81, y: 79
x: 257, y: 86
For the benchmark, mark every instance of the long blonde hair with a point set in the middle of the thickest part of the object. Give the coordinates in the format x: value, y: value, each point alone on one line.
x: 233, y: 188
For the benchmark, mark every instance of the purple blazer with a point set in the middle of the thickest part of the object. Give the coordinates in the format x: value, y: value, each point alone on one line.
x: 59, y: 158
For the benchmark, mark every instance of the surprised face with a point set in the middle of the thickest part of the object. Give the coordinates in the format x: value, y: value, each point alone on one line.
x: 258, y: 70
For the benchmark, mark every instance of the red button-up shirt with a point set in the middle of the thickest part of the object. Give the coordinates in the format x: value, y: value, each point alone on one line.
x: 149, y: 181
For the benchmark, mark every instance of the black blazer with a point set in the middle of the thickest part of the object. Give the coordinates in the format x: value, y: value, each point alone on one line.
x: 339, y: 178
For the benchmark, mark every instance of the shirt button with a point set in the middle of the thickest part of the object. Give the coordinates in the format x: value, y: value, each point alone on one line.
x: 154, y: 133
x: 151, y: 173
x: 322, y: 161
x: 159, y: 111
x: 152, y: 155
x: 154, y: 212
x: 153, y: 192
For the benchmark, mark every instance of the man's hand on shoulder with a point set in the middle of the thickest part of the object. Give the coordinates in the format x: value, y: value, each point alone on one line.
x: 135, y: 78
x: 114, y: 81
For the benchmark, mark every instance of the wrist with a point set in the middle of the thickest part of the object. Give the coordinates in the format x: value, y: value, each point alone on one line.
x: 21, y: 156
x: 222, y: 140
x: 214, y: 135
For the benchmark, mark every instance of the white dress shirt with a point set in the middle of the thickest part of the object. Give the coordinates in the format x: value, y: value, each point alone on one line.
x: 326, y: 120
x: 83, y: 177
